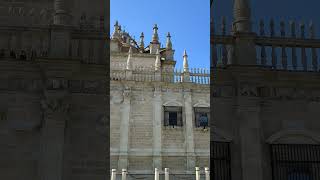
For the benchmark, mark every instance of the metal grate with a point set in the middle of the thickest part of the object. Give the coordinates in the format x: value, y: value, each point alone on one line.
x: 295, y: 162
x: 220, y: 161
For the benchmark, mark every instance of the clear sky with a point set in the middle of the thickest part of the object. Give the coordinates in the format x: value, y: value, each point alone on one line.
x: 188, y: 21
x: 297, y: 10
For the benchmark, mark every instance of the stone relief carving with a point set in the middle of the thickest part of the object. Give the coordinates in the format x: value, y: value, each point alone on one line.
x: 55, y: 105
x: 126, y: 95
x: 35, y: 85
x: 247, y: 90
x: 116, y: 97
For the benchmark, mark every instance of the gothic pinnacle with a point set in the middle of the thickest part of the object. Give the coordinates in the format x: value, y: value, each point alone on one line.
x: 142, y: 41
x: 185, y: 62
x: 155, y: 37
x: 169, y: 43
x: 157, y: 64
x: 60, y: 12
x: 129, y: 64
x: 116, y: 30
x: 242, y: 15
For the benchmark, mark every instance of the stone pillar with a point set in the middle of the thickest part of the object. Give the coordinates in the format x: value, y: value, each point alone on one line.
x: 53, y: 135
x: 156, y: 174
x: 166, y: 173
x: 197, y: 173
x: 124, y: 129
x: 242, y: 15
x: 124, y: 174
x: 207, y: 173
x: 189, y: 130
x: 245, y: 51
x: 250, y: 138
x: 114, y: 174
x: 157, y: 128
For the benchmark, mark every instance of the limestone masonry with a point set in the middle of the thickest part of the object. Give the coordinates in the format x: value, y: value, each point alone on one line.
x: 159, y: 115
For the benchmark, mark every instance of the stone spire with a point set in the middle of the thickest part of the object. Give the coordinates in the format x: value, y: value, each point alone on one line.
x: 115, y: 30
x: 61, y: 14
x: 157, y: 63
x: 155, y: 37
x: 154, y: 44
x: 169, y: 43
x: 185, y: 62
x: 141, y: 41
x: 242, y: 15
x: 129, y: 63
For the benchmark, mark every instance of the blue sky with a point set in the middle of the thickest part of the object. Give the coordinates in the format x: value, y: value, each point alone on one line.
x: 297, y: 10
x: 188, y: 21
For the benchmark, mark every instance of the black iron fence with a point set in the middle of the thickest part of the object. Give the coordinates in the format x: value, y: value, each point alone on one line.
x: 220, y: 161
x: 295, y: 162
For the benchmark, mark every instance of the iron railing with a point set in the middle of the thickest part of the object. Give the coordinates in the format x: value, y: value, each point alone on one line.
x: 220, y: 160
x: 295, y: 162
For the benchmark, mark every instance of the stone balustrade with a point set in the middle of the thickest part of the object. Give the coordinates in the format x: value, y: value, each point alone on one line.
x: 166, y: 174
x: 291, y: 47
x: 195, y: 75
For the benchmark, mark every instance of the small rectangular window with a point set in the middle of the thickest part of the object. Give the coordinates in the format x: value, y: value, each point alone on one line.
x: 202, y: 116
x: 172, y: 116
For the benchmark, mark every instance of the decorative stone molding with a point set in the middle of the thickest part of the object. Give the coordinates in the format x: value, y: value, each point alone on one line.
x: 126, y: 95
x: 55, y: 105
x: 220, y: 135
x: 201, y: 103
x: 173, y: 103
x: 247, y: 90
x: 305, y: 134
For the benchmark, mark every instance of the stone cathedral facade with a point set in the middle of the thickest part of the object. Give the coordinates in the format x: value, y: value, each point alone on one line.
x: 265, y: 99
x: 53, y: 83
x: 158, y: 115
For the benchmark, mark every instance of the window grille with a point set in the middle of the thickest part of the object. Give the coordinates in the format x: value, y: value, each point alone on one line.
x: 295, y: 162
x: 220, y: 160
x: 202, y: 116
x: 172, y: 116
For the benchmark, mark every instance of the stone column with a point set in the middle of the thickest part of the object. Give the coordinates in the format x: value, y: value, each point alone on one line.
x: 197, y: 173
x: 124, y: 129
x: 157, y: 128
x: 156, y: 174
x: 188, y: 110
x: 245, y: 51
x: 124, y: 174
x: 207, y: 173
x: 166, y: 173
x: 114, y: 174
x: 250, y: 138
x: 53, y: 134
